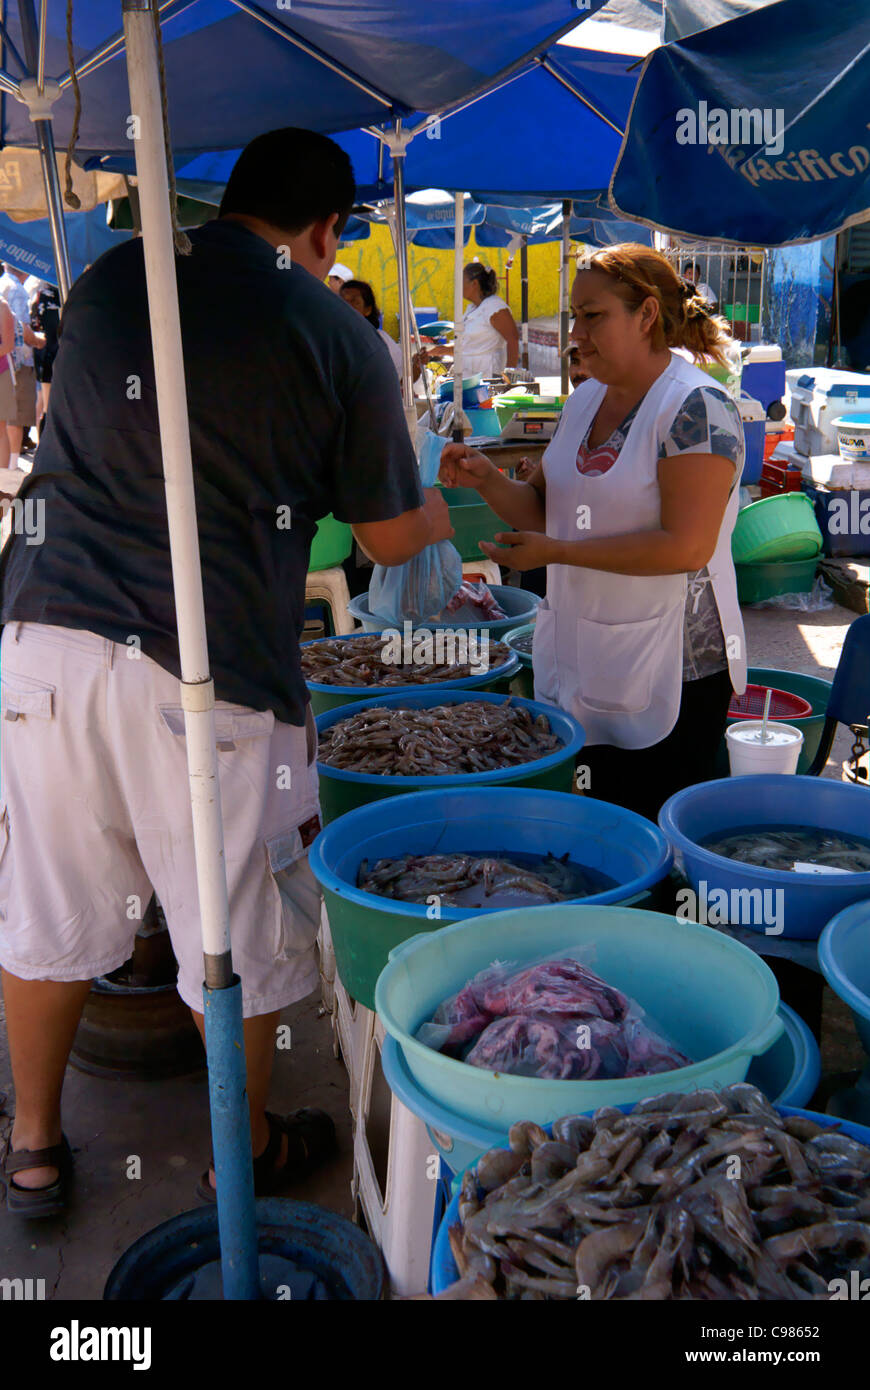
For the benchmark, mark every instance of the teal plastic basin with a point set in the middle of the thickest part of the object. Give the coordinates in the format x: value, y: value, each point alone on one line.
x: 715, y: 999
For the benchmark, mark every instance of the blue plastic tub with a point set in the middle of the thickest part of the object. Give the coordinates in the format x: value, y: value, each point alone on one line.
x: 443, y: 1268
x: 844, y: 956
x: 788, y: 1074
x: 714, y: 998
x: 732, y: 803
x: 342, y: 791
x: 326, y: 697
x: 520, y: 605
x: 487, y: 820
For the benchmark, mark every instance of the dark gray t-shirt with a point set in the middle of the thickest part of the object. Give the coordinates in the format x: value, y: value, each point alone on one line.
x: 293, y: 404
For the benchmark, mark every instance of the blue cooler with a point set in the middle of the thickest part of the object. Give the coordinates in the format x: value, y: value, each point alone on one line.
x: 763, y: 375
x: 753, y: 415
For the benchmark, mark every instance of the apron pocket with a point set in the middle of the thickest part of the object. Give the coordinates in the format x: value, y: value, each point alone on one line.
x: 544, y: 656
x: 617, y: 663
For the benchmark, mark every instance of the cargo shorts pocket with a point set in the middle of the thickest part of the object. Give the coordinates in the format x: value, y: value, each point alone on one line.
x: 232, y: 723
x: 25, y: 697
x: 298, y: 893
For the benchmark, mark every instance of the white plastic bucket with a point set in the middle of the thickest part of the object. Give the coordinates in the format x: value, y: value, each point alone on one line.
x: 747, y: 754
x: 853, y: 437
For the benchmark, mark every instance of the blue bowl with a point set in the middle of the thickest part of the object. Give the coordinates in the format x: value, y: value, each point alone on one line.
x: 730, y: 804
x: 844, y: 956
x: 444, y: 1271
x: 788, y: 1074
x: 520, y: 605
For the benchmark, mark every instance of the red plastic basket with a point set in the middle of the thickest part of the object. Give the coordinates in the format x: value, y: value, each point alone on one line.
x: 783, y: 705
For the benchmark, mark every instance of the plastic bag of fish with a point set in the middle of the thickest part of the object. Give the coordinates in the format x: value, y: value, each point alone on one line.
x: 709, y: 1195
x: 556, y: 1020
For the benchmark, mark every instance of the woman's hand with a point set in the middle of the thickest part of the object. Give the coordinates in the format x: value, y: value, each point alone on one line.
x: 526, y: 550
x: 464, y: 467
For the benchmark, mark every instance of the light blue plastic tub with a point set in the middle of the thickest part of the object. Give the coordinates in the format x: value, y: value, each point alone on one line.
x: 714, y: 998
x: 444, y: 1271
x: 485, y: 820
x: 520, y: 605
x: 788, y: 1074
x: 844, y: 956
x: 732, y: 803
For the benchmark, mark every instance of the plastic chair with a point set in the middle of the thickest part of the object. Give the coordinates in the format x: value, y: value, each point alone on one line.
x: 330, y: 587
x: 849, y: 701
x: 488, y: 569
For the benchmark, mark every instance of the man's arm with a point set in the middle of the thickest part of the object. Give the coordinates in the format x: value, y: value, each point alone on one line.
x: 402, y: 537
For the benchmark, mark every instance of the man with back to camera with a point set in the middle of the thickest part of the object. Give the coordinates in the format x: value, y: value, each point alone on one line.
x: 294, y: 412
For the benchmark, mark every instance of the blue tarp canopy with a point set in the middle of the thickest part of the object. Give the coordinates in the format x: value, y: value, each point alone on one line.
x: 27, y: 245
x: 233, y: 72
x: 755, y: 131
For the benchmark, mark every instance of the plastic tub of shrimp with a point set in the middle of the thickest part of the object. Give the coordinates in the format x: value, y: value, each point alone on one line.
x: 487, y: 668
x: 712, y: 998
x: 444, y: 1271
x: 844, y: 957
x: 519, y: 606
x: 343, y: 789
x: 590, y: 851
x: 755, y: 814
x: 787, y: 1073
x: 519, y: 639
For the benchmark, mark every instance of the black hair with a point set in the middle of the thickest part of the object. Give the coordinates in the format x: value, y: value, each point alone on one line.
x: 487, y: 279
x: 291, y: 178
x: 373, y: 313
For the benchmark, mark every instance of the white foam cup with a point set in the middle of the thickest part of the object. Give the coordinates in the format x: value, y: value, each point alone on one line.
x: 747, y: 753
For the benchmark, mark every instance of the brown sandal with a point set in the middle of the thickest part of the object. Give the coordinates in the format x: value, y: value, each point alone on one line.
x: 310, y: 1140
x: 37, y: 1203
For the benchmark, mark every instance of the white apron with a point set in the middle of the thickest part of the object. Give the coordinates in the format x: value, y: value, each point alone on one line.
x: 608, y: 648
x: 484, y: 350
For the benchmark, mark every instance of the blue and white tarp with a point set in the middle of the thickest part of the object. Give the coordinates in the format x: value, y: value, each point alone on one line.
x: 27, y: 245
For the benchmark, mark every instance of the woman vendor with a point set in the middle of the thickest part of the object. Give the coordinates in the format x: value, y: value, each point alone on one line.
x: 490, y: 338
x: 632, y: 508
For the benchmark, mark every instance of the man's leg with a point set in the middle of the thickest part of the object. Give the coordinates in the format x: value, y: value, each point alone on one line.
x: 260, y: 1037
x: 4, y: 445
x: 41, y: 1021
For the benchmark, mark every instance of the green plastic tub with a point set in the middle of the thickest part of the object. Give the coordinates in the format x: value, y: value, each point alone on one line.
x: 776, y: 528
x: 811, y: 688
x: 472, y: 519
x: 523, y: 683
x: 757, y: 582
x: 333, y: 542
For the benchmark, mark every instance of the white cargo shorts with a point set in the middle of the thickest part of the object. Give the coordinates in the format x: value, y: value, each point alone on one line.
x: 95, y: 815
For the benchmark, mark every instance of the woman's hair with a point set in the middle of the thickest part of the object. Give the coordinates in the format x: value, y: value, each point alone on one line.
x: 487, y: 279
x: 373, y: 313
x: 684, y: 319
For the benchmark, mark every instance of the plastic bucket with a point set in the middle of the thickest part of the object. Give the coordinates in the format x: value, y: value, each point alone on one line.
x: 332, y: 543
x: 365, y: 927
x: 519, y: 605
x: 158, y: 1265
x: 853, y: 437
x: 772, y: 577
x: 808, y: 901
x: 747, y: 754
x: 844, y: 957
x: 788, y: 1074
x: 776, y: 528
x: 342, y: 791
x: 810, y: 688
x: 327, y: 697
x: 714, y: 998
x: 443, y: 1268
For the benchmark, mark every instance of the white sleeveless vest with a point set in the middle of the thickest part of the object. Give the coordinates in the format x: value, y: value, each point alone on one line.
x: 608, y: 648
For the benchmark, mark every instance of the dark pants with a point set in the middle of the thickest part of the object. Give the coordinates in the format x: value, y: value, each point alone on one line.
x: 642, y: 779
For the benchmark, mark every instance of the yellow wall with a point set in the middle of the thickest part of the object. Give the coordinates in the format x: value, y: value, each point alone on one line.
x: 432, y: 275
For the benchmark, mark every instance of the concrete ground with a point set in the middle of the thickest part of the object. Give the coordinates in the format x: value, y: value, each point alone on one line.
x: 165, y: 1123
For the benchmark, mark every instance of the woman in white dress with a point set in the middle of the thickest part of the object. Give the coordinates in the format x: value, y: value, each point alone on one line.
x: 360, y: 296
x: 491, y: 341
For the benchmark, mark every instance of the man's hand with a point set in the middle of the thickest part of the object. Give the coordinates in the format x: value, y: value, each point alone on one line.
x: 464, y: 467
x: 527, y: 550
x: 438, y: 515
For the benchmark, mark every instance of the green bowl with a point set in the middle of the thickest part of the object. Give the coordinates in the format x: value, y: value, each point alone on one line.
x: 776, y: 528
x: 757, y: 582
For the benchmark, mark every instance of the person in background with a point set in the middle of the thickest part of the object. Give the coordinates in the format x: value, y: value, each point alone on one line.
x: 702, y: 289
x: 338, y: 276
x: 13, y: 291
x: 45, y: 319
x: 632, y: 509
x: 360, y: 296
x: 7, y: 385
x: 490, y: 341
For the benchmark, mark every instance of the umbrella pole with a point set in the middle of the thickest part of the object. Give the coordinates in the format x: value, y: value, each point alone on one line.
x: 398, y: 143
x: 38, y: 96
x: 524, y: 300
x: 222, y: 995
x: 564, y: 292
x: 458, y: 331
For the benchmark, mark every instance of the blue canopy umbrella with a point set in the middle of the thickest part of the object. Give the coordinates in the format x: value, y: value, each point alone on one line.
x: 28, y: 245
x: 754, y: 131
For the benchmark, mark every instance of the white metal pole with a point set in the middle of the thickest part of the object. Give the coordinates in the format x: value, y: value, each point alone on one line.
x: 564, y: 294
x: 197, y: 688
x: 458, y: 311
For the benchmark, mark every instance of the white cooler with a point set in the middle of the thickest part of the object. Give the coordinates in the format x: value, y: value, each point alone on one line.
x: 818, y: 396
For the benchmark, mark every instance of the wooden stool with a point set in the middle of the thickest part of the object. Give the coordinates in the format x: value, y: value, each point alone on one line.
x: 330, y: 587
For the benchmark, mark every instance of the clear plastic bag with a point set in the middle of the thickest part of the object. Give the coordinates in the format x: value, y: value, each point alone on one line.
x: 555, y: 1019
x: 817, y: 600
x: 420, y: 589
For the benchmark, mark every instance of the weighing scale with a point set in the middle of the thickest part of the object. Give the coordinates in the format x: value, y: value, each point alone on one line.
x: 532, y: 424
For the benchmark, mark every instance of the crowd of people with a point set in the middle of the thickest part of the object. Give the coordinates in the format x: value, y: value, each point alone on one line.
x: 29, y: 325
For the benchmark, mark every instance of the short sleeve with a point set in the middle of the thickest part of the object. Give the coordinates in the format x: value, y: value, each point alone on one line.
x: 495, y: 304
x: 377, y: 477
x: 708, y: 422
